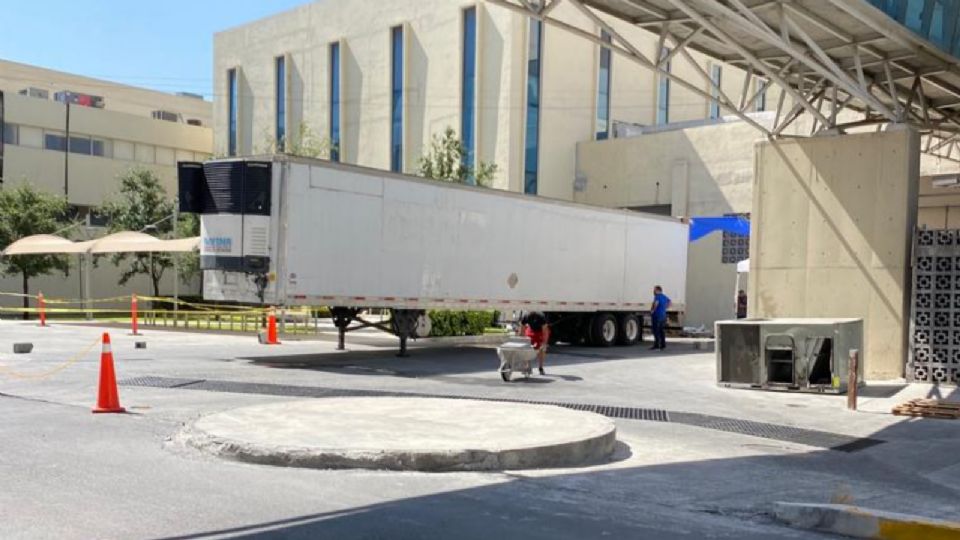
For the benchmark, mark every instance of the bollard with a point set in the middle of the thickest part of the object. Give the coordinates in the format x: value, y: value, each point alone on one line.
x: 43, y: 309
x: 133, y: 314
x: 852, y: 380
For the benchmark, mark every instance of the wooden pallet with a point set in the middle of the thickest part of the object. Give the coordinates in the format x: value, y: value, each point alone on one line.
x: 929, y: 408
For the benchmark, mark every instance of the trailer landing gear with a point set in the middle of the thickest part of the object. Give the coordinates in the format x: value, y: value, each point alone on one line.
x: 342, y: 317
x: 403, y: 324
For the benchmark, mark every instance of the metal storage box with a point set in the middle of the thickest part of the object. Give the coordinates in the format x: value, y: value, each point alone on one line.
x: 801, y: 355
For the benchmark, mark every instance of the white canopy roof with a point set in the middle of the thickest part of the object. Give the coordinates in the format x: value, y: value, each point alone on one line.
x: 121, y: 242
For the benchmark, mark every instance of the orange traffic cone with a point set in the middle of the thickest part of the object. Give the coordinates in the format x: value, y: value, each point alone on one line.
x: 108, y: 398
x: 133, y: 315
x: 272, y: 328
x: 43, y: 309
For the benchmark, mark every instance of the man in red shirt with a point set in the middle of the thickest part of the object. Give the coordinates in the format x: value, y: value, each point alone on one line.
x: 535, y: 327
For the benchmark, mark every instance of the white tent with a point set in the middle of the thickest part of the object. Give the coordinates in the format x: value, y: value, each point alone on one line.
x: 40, y: 244
x: 121, y: 242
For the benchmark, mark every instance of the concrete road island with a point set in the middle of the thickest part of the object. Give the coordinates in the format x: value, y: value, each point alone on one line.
x: 405, y: 433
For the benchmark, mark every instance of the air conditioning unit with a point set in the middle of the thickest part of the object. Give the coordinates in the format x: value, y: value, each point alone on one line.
x: 35, y: 92
x: 77, y: 98
x: 166, y: 115
x: 946, y: 181
x: 800, y: 355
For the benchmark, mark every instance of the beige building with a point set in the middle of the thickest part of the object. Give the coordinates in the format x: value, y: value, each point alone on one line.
x: 379, y: 79
x: 79, y: 150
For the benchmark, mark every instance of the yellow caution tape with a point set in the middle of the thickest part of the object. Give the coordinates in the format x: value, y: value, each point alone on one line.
x: 62, y: 366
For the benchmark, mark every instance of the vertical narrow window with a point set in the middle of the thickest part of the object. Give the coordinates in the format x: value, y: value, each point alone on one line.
x: 281, y: 89
x: 762, y: 98
x: 334, y: 102
x: 716, y: 74
x: 603, y: 89
x: 232, y: 112
x: 532, y: 135
x: 663, y: 92
x: 468, y: 128
x: 396, y: 101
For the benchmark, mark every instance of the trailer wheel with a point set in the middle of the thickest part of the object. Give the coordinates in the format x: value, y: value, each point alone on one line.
x: 629, y: 329
x: 603, y: 330
x: 505, y: 375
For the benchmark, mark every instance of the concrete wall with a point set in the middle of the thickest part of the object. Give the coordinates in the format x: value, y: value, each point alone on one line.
x: 705, y: 171
x: 939, y: 206
x: 831, y: 234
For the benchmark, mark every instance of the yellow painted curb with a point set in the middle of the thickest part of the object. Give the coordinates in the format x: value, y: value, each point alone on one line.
x: 864, y: 522
x: 915, y: 530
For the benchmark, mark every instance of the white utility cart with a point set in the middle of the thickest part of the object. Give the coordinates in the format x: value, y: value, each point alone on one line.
x: 517, y: 354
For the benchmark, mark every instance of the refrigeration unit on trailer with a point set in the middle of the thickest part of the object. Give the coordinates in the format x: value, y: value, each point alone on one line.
x: 289, y: 231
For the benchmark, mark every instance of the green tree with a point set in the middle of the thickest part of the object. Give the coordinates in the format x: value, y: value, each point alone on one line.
x: 188, y: 263
x: 24, y: 211
x: 141, y: 205
x: 304, y: 142
x: 445, y: 161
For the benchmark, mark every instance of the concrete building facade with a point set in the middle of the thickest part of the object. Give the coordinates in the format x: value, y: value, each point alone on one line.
x: 78, y: 151
x: 379, y: 80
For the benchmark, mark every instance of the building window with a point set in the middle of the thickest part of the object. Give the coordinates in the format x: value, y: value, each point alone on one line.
x: 716, y: 74
x: 80, y: 145
x: 232, y: 112
x: 280, y: 73
x: 10, y: 134
x: 603, y: 89
x: 532, y: 134
x: 100, y: 147
x: 396, y: 100
x: 663, y: 92
x: 762, y: 97
x: 334, y: 102
x: 54, y: 141
x: 468, y: 128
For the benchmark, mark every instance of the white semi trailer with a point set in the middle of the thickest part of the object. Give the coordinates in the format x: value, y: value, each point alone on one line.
x: 286, y: 231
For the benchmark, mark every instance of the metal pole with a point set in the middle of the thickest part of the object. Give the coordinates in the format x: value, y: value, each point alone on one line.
x: 852, y: 380
x: 176, y: 257
x: 66, y: 153
x: 88, y: 263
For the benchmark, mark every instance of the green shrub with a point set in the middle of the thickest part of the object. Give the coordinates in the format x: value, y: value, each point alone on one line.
x: 459, y: 323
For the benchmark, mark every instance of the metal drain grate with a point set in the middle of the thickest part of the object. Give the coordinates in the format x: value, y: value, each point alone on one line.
x: 158, y: 382
x: 808, y: 437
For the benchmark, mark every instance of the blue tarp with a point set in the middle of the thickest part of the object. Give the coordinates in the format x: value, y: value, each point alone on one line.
x: 702, y: 226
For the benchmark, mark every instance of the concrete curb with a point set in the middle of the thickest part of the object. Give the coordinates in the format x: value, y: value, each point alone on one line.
x: 587, y: 446
x: 864, y: 523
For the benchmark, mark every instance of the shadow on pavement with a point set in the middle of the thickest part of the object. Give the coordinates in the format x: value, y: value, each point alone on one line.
x: 687, y: 498
x: 448, y: 361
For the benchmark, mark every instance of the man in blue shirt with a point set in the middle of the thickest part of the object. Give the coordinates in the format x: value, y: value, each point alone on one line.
x: 658, y: 318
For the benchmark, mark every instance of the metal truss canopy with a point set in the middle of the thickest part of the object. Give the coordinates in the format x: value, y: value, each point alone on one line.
x: 826, y: 55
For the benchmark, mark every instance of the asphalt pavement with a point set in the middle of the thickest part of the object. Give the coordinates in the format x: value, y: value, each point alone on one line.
x: 693, y: 460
